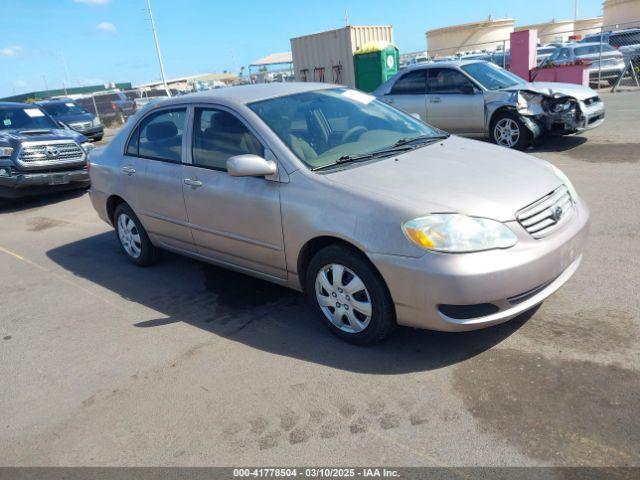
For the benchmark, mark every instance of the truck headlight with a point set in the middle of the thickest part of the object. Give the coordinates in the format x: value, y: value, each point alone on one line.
x: 6, y: 152
x: 87, y: 147
x: 456, y: 233
x: 564, y: 179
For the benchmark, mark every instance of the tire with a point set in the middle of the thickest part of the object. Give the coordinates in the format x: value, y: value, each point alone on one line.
x: 133, y: 238
x: 520, y: 137
x: 352, y: 322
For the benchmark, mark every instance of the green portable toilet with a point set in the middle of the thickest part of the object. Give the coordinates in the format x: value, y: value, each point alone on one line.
x: 375, y: 63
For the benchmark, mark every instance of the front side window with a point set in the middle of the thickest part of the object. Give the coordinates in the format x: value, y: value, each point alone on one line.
x: 411, y: 83
x: 159, y: 136
x: 219, y: 135
x: 322, y: 126
x: 63, y: 108
x: 446, y: 80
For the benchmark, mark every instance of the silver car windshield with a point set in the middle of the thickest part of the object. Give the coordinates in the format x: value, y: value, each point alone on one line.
x: 491, y: 76
x: 323, y: 127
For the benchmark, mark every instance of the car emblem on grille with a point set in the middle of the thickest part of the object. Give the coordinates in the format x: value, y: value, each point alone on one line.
x: 556, y: 214
x: 52, y: 151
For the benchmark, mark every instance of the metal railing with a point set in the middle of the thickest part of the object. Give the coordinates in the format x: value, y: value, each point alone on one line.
x: 614, y: 59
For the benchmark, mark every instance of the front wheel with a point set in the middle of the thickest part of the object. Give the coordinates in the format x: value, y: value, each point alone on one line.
x: 508, y: 130
x: 133, y: 238
x: 350, y: 296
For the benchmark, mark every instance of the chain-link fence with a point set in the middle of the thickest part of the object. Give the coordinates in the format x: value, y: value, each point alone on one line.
x: 611, y: 53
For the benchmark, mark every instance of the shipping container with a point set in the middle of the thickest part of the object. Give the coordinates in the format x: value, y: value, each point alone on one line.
x: 328, y: 56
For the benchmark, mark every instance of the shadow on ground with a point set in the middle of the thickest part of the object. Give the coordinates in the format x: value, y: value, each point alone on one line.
x: 259, y: 314
x: 14, y: 205
x: 557, y: 143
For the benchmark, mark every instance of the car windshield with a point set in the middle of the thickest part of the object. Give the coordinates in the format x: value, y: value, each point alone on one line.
x: 63, y: 108
x: 25, y: 118
x: 491, y: 76
x: 323, y: 127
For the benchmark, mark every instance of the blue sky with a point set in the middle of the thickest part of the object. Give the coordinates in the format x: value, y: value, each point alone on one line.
x: 110, y: 40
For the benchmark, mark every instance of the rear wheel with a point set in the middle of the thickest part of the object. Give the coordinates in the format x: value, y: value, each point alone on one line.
x: 350, y: 296
x: 508, y: 130
x: 133, y: 237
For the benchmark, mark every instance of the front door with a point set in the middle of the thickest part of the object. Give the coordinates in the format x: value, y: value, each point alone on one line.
x: 408, y: 93
x: 454, y: 103
x: 234, y: 220
x: 153, y: 170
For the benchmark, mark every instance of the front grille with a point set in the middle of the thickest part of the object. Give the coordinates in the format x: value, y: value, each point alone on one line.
x: 547, y: 214
x: 81, y: 126
x: 50, y: 154
x: 592, y: 100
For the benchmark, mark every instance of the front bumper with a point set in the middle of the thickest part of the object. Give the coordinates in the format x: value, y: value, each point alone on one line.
x: 24, y: 184
x: 92, y: 133
x: 512, y: 280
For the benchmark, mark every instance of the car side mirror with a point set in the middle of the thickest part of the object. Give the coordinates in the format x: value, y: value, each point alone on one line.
x: 467, y: 89
x: 250, y: 166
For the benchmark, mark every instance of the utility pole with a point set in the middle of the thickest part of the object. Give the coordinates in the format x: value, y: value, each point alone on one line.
x: 66, y: 73
x: 346, y: 18
x: 575, y: 10
x: 155, y: 39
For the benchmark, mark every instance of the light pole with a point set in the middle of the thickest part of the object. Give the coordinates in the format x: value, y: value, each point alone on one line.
x: 155, y: 39
x: 575, y: 10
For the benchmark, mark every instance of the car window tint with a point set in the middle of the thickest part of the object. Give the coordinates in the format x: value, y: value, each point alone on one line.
x: 625, y: 38
x: 219, y: 135
x: 132, y: 146
x: 593, y: 49
x: 411, y: 83
x: 161, y: 135
x: 446, y: 80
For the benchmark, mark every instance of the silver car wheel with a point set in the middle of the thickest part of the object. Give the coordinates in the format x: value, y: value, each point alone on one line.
x: 506, y: 132
x: 343, y: 298
x: 129, y: 236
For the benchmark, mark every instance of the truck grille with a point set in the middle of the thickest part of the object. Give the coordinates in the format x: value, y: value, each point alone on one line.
x: 547, y: 214
x: 81, y: 126
x: 50, y: 154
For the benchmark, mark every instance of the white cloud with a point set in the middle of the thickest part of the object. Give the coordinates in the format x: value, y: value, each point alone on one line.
x: 93, y: 2
x: 11, y: 51
x: 107, y: 27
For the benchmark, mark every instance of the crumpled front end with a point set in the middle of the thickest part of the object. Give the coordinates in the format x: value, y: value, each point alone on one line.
x: 551, y: 111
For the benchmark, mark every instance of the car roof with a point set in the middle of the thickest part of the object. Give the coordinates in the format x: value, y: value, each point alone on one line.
x: 446, y: 63
x: 17, y: 104
x: 251, y: 93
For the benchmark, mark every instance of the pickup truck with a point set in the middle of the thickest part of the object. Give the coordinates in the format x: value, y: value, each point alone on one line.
x: 38, y: 155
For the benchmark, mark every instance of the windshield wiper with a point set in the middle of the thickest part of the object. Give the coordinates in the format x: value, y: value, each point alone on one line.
x: 363, y: 156
x: 422, y: 139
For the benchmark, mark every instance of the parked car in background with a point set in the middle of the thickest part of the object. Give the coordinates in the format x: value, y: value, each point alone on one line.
x: 75, y: 117
x: 275, y: 180
x: 502, y: 58
x: 113, y: 105
x: 606, y: 63
x: 626, y: 41
x: 544, y: 52
x: 37, y: 155
x: 480, y: 99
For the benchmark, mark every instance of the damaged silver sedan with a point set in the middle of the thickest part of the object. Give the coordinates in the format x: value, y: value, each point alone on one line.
x: 480, y: 99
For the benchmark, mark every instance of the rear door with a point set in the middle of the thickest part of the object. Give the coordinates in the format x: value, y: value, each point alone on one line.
x: 408, y: 93
x: 152, y: 171
x: 454, y: 103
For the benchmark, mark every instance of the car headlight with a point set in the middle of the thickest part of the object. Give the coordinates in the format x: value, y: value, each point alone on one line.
x: 87, y: 147
x: 529, y: 103
x: 564, y: 179
x: 456, y: 233
x: 95, y: 122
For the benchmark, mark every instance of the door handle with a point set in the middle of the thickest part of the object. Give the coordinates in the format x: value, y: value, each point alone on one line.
x: 129, y: 170
x: 435, y: 99
x: 192, y: 182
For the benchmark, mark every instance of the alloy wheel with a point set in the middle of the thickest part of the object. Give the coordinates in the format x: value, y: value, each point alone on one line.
x: 129, y: 236
x: 506, y: 132
x: 343, y: 298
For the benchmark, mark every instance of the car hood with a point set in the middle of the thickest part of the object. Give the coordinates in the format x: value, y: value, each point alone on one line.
x: 554, y: 89
x: 456, y: 175
x: 41, y: 135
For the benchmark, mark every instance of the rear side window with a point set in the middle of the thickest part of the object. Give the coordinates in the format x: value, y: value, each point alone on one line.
x: 159, y: 136
x: 411, y: 83
x: 592, y: 50
x: 625, y: 38
x: 219, y: 135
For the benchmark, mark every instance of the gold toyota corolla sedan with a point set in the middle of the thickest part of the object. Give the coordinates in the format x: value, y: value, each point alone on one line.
x: 380, y: 218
